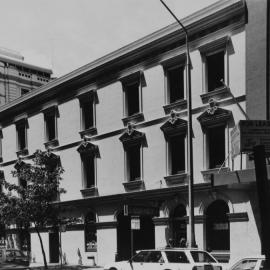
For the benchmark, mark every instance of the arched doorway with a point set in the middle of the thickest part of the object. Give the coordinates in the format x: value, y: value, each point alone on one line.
x: 217, y: 226
x: 142, y: 239
x: 178, y: 225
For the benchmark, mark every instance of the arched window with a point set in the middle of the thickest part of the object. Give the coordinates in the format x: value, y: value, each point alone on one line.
x: 90, y: 232
x: 217, y: 226
x: 179, y: 226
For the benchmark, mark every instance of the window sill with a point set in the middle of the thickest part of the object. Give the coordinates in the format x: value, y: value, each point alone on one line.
x: 176, y: 179
x: 135, y: 118
x: 218, y: 93
x: 52, y: 143
x: 134, y: 185
x: 89, y: 192
x: 90, y: 131
x: 177, y: 105
x: 207, y: 173
x: 23, y: 152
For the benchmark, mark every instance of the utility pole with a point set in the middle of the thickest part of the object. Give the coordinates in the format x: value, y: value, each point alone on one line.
x: 191, y: 231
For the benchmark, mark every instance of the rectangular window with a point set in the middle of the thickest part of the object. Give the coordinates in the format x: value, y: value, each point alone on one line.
x: 89, y: 175
x: 177, y: 154
x: 21, y: 136
x: 132, y: 98
x: 215, y: 70
x: 216, y: 146
x: 133, y: 154
x: 87, y: 114
x: 175, y: 83
x: 50, y: 125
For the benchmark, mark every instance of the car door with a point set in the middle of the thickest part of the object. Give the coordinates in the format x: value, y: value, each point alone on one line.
x: 154, y: 261
x: 246, y: 264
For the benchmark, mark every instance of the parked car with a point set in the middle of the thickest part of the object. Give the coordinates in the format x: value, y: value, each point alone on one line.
x: 17, y: 256
x: 249, y: 263
x: 168, y: 258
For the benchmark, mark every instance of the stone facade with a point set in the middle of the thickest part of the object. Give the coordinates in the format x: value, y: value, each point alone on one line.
x: 152, y: 189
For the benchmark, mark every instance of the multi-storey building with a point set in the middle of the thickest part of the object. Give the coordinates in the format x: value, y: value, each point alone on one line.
x: 119, y: 126
x: 17, y: 77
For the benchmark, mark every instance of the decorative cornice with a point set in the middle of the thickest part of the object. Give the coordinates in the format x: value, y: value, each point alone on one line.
x: 174, y: 125
x: 131, y: 136
x: 88, y: 148
x: 218, y: 13
x: 214, y: 115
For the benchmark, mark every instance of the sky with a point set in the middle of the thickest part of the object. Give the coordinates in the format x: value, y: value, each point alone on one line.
x: 66, y: 34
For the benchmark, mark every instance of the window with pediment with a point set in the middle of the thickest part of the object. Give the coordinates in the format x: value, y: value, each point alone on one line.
x: 89, y: 153
x: 175, y: 134
x: 133, y: 142
x: 214, y: 122
x: 88, y: 103
x: 132, y: 91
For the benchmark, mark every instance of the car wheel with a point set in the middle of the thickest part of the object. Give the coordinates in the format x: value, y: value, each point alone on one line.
x: 112, y: 268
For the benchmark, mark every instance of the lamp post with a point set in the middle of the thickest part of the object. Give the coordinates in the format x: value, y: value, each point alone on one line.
x: 191, y: 231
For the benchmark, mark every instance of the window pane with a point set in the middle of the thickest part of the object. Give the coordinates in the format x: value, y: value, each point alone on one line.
x: 87, y: 115
x: 176, y: 83
x: 90, y: 232
x: 216, y: 142
x: 200, y: 256
x: 177, y: 152
x: 141, y: 256
x: 155, y: 257
x: 89, y: 171
x: 134, y: 162
x: 176, y: 257
x: 215, y: 70
x: 132, y: 98
x: 21, y: 137
x: 50, y: 127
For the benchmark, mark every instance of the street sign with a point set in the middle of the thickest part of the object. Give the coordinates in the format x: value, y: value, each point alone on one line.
x: 135, y: 223
x: 248, y: 133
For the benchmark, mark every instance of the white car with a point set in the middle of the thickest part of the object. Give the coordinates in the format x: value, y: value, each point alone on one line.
x: 249, y: 263
x: 168, y: 259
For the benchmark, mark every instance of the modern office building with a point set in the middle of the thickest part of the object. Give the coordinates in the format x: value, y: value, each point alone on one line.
x: 119, y: 126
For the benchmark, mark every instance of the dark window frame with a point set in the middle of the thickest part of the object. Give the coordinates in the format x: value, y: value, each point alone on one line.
x: 133, y: 154
x: 131, y: 84
x: 214, y: 148
x: 214, y: 70
x: 50, y: 124
x: 88, y: 161
x: 90, y: 228
x: 169, y: 70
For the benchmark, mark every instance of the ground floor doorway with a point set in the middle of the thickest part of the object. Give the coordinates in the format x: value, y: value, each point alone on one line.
x: 144, y: 238
x: 54, y: 247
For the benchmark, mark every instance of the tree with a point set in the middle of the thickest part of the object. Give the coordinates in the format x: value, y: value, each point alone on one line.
x: 31, y: 202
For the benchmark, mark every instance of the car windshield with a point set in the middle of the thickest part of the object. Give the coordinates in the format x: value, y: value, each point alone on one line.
x: 148, y: 256
x: 176, y: 257
x: 201, y: 256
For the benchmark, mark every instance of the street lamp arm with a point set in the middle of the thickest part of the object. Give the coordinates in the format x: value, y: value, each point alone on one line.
x: 183, y: 27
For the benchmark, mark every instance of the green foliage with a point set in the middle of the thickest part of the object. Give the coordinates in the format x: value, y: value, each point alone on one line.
x: 32, y: 201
